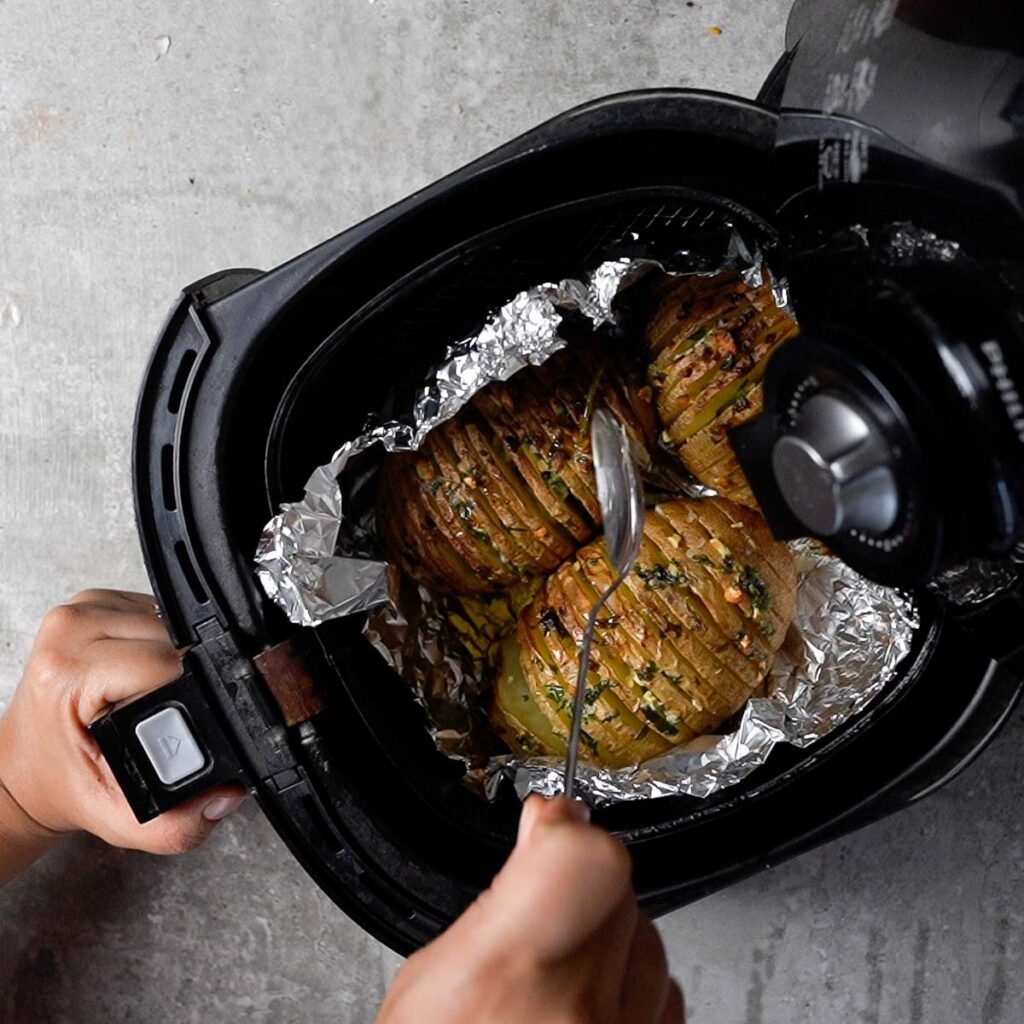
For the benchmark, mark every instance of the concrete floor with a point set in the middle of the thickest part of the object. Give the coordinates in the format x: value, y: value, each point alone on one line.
x: 146, y: 145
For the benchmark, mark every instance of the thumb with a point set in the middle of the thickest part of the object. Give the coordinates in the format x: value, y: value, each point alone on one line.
x: 562, y: 882
x: 187, y: 827
x: 539, y: 813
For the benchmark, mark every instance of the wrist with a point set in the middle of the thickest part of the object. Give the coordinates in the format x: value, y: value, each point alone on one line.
x: 22, y: 838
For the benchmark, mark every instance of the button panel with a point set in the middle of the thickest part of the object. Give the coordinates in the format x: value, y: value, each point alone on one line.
x: 170, y: 746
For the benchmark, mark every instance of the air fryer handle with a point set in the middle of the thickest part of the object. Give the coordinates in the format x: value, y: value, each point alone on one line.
x: 166, y: 747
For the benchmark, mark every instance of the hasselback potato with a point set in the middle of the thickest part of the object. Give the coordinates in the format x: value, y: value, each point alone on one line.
x: 710, y: 338
x: 505, y: 490
x: 683, y: 643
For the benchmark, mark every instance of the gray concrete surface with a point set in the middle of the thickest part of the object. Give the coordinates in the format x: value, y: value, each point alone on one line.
x: 144, y: 145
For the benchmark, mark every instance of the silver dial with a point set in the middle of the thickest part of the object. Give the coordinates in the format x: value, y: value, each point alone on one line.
x: 834, y: 469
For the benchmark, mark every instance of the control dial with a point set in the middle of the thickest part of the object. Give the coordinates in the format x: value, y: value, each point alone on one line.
x: 834, y: 469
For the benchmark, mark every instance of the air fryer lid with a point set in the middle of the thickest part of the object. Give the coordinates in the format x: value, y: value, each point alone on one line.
x: 357, y: 790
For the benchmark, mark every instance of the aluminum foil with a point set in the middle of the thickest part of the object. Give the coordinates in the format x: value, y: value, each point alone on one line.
x: 899, y: 244
x: 318, y: 560
x: 979, y: 580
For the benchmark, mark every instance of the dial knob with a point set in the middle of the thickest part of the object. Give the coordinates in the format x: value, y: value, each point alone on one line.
x: 834, y: 469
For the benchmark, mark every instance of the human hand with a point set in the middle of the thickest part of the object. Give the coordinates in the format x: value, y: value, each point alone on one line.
x: 558, y: 937
x: 100, y: 648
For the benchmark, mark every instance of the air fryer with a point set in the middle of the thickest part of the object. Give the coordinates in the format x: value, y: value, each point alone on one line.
x: 249, y: 366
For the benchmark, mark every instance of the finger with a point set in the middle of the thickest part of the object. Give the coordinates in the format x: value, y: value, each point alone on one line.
x: 555, y: 892
x: 118, y: 670
x: 186, y: 827
x: 84, y: 623
x: 675, y: 1009
x: 119, y: 600
x: 646, y: 982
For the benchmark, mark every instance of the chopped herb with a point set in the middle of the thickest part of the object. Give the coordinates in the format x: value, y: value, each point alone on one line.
x: 701, y: 559
x: 557, y: 696
x: 549, y: 620
x: 756, y: 589
x: 463, y: 509
x: 729, y: 563
x: 660, y: 723
x: 648, y: 672
x: 527, y: 743
x: 595, y: 691
x: 672, y: 677
x: 660, y: 576
x: 654, y: 711
x: 556, y: 483
x: 435, y: 485
x: 766, y: 628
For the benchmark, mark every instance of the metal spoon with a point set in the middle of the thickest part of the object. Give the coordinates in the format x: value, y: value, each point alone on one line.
x: 620, y: 495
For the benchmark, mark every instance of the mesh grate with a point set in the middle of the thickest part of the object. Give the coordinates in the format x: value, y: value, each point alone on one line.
x: 450, y: 297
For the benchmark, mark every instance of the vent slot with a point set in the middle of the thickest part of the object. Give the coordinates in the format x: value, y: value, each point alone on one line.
x: 190, y: 573
x: 167, y: 477
x: 188, y: 360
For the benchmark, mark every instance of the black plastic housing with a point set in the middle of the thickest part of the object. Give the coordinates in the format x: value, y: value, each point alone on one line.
x: 249, y: 366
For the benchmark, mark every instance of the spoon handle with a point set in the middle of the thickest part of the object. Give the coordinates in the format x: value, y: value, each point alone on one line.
x: 580, y: 699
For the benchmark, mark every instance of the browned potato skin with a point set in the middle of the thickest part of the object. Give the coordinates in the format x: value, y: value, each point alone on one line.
x: 505, y: 490
x: 686, y: 640
x: 710, y: 338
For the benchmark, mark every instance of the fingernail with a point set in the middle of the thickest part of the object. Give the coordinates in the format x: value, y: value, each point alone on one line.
x: 222, y: 807
x: 540, y: 811
x: 577, y: 810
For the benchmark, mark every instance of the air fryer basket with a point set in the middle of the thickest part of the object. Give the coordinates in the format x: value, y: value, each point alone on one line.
x: 374, y: 362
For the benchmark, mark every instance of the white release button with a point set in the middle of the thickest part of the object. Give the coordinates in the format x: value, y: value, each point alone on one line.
x: 170, y: 746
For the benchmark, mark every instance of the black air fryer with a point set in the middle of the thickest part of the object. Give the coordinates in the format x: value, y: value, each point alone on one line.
x: 882, y: 169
